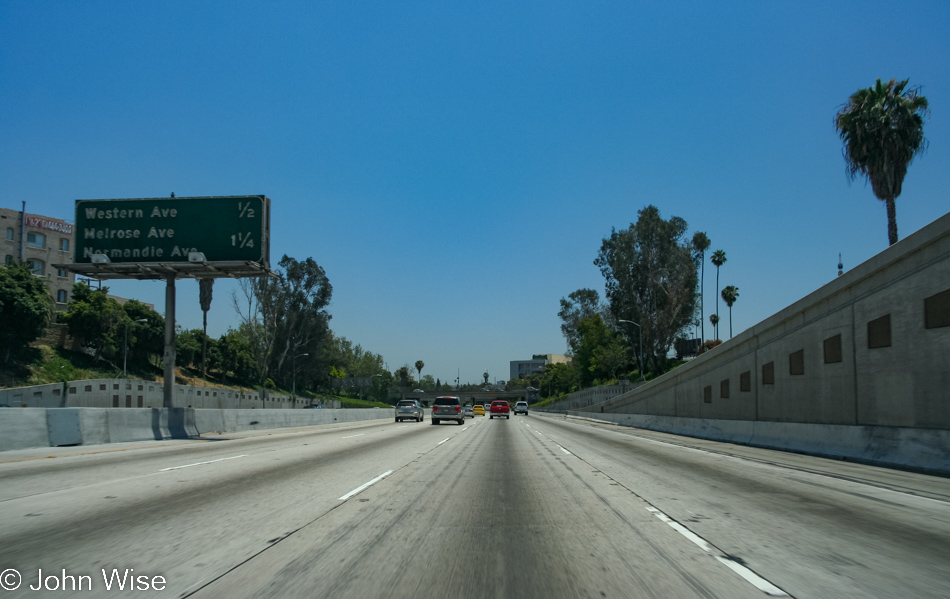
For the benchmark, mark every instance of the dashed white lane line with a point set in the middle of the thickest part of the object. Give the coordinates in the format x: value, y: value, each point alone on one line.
x: 564, y: 450
x: 443, y: 441
x: 760, y: 583
x: 757, y: 581
x: 351, y: 436
x: 203, y: 463
x: 364, y: 486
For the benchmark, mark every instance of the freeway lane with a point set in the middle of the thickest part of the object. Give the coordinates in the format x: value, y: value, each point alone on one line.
x: 527, y: 507
x: 815, y: 527
x: 494, y: 512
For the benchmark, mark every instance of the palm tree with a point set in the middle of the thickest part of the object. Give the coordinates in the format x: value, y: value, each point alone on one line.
x: 882, y: 128
x: 701, y: 243
x: 714, y: 319
x: 205, y: 287
x: 730, y: 293
x: 419, y: 366
x: 718, y: 258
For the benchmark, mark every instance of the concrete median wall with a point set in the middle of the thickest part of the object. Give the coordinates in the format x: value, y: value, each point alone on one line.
x: 864, y: 356
x: 22, y: 428
x: 227, y: 421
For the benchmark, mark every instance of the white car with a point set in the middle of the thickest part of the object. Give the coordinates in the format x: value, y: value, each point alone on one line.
x: 521, y: 408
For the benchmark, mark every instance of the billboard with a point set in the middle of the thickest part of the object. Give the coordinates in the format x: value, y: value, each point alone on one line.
x: 167, y: 230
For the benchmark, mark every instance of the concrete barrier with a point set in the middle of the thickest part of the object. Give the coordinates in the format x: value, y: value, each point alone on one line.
x: 22, y: 428
x: 914, y: 448
x: 228, y: 421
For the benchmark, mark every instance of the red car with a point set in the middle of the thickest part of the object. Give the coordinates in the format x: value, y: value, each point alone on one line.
x: 500, y: 408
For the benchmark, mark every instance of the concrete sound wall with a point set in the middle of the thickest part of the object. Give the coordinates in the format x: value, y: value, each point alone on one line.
x: 869, y: 349
x: 134, y: 393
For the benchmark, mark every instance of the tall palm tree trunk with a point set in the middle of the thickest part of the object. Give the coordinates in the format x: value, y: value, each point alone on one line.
x: 717, y: 302
x: 702, y: 292
x: 730, y: 322
x: 891, y: 220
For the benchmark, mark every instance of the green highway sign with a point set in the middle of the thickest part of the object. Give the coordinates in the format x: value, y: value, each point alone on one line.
x: 166, y: 230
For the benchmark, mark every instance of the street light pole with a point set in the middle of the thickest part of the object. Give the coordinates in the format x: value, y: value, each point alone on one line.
x: 640, y: 357
x: 125, y: 353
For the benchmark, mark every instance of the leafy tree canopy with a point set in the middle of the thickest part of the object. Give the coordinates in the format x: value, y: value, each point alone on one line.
x: 580, y: 304
x: 25, y: 308
x: 882, y: 128
x: 651, y: 280
x: 96, y: 319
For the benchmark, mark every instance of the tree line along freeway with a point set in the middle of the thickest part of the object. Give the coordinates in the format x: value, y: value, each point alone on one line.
x: 539, y: 506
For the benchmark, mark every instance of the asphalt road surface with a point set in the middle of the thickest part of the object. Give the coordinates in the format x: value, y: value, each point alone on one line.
x: 534, y: 506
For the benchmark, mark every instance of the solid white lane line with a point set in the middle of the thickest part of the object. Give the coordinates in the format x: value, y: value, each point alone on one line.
x: 351, y: 436
x: 365, y: 485
x: 202, y: 463
x: 443, y: 441
x: 760, y: 583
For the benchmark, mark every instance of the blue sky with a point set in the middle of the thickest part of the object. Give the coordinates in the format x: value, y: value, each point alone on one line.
x: 454, y: 166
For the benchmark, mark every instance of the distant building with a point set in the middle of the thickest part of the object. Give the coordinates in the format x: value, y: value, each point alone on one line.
x: 40, y: 242
x: 121, y: 301
x: 521, y: 369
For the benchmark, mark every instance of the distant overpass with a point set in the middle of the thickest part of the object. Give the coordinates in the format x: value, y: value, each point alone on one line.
x: 473, y: 397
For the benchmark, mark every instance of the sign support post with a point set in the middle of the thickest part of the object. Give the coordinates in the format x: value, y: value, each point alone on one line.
x: 168, y: 396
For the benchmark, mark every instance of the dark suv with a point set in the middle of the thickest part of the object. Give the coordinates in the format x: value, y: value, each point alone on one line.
x: 447, y: 408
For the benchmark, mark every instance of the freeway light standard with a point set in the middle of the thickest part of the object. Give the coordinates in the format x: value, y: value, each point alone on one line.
x: 640, y: 357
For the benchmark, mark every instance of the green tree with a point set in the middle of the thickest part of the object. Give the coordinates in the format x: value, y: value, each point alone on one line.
x: 419, y: 366
x: 381, y: 385
x: 146, y: 339
x: 26, y: 307
x: 714, y: 320
x: 402, y: 375
x: 188, y: 346
x: 232, y: 356
x: 285, y: 316
x: 718, y: 259
x: 600, y: 353
x: 701, y: 243
x: 96, y: 319
x: 579, y: 305
x: 882, y: 128
x: 730, y: 294
x: 557, y: 379
x: 651, y: 279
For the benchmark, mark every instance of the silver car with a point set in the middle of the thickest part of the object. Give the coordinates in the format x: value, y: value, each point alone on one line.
x: 409, y: 409
x: 447, y: 408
